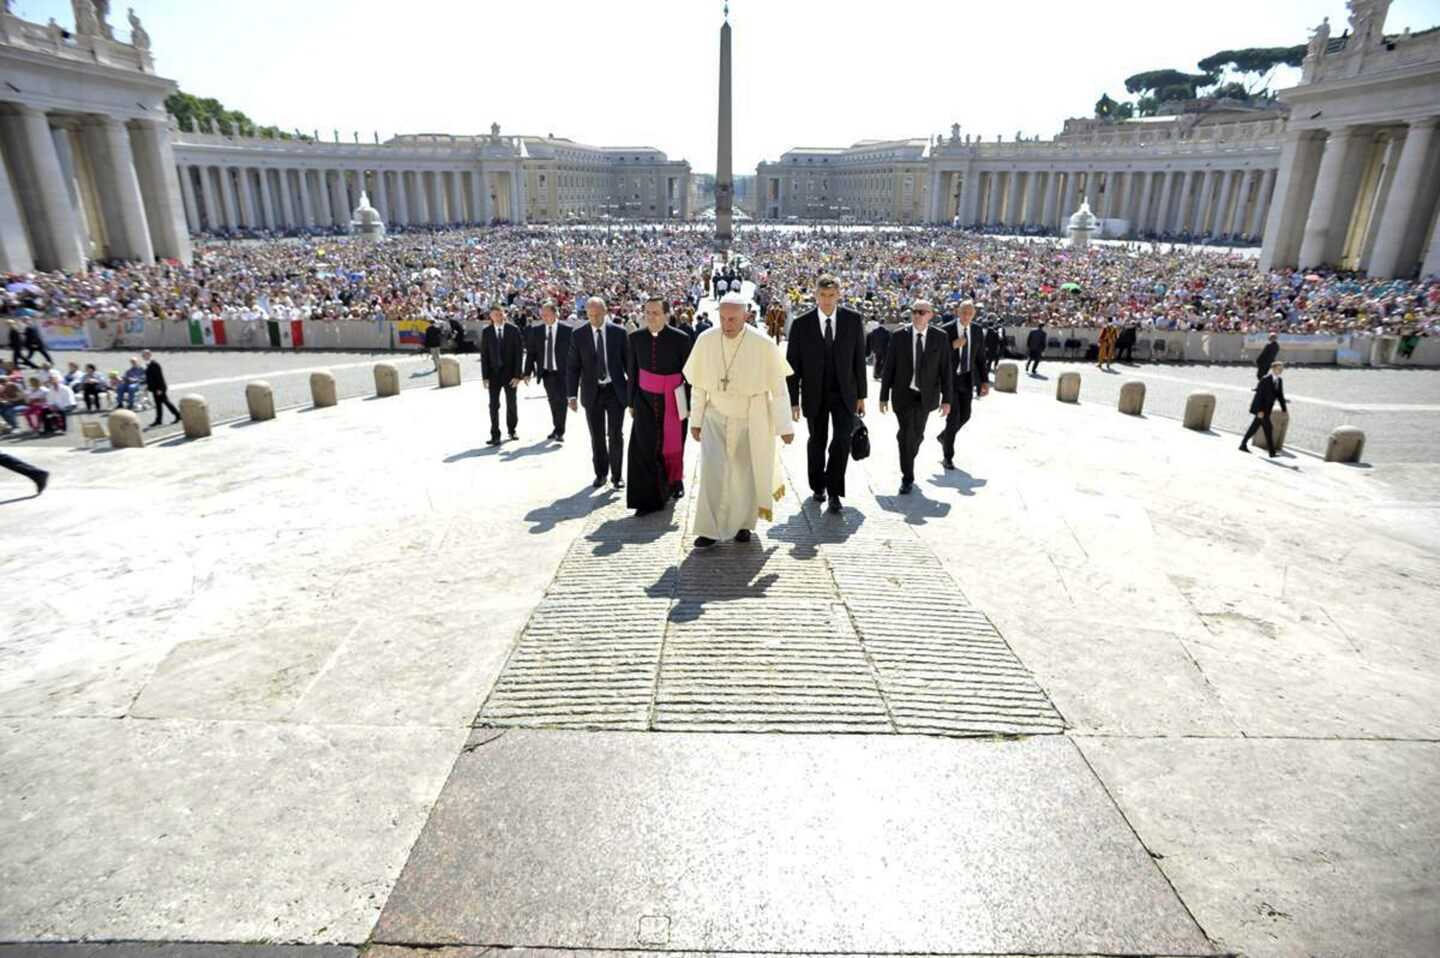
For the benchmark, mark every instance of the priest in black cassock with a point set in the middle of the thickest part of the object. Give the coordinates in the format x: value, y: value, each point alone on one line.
x: 657, y: 452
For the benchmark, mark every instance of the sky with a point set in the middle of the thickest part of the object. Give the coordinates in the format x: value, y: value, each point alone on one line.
x: 643, y: 72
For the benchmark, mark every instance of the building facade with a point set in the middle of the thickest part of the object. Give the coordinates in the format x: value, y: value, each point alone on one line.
x: 871, y: 181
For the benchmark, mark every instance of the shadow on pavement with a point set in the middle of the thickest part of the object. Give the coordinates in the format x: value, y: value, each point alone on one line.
x: 574, y: 506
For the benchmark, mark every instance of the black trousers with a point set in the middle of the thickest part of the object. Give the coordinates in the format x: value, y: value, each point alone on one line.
x: 162, y: 403
x: 512, y: 415
x: 1256, y: 424
x: 959, y: 414
x: 554, y: 383
x: 1032, y: 365
x: 879, y: 363
x: 1125, y: 354
x: 911, y: 415
x: 30, y: 472
x: 606, y: 418
x: 22, y: 360
x: 30, y: 356
x: 828, y: 475
x: 92, y: 393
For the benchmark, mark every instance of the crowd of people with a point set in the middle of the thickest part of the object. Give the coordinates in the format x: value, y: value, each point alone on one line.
x: 458, y: 274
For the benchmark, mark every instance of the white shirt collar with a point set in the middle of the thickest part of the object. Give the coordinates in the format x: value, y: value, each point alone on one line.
x: 823, y: 317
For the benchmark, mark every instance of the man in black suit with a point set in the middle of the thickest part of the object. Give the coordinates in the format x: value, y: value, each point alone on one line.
x: 1035, y: 348
x: 1266, y: 359
x: 702, y: 324
x: 918, y: 372
x: 35, y: 343
x: 17, y: 345
x: 876, y: 343
x: 155, y: 383
x: 992, y: 347
x: 967, y: 347
x: 595, y: 373
x: 502, y: 355
x: 827, y: 355
x: 1268, y: 391
x: 545, y: 354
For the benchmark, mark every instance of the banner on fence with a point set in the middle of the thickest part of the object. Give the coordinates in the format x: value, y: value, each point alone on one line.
x: 410, y: 332
x: 207, y: 332
x: 63, y: 334
x: 286, y: 334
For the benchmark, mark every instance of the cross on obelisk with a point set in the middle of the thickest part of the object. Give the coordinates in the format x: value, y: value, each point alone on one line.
x: 724, y: 179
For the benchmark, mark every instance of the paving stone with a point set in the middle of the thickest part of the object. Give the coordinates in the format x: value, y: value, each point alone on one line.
x: 900, y: 844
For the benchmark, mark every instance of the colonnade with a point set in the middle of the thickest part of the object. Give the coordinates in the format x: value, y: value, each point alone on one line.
x: 1199, y: 201
x: 230, y: 196
x: 78, y: 186
x: 1363, y: 197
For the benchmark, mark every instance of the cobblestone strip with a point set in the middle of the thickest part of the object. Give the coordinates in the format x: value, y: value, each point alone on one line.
x: 823, y: 624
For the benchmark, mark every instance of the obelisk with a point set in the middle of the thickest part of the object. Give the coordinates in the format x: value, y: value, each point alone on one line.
x: 724, y: 179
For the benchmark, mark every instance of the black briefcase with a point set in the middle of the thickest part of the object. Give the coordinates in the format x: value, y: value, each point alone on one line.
x: 859, y: 441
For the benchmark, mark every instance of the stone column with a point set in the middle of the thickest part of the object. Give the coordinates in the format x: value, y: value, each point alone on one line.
x: 207, y: 194
x: 382, y: 195
x: 1222, y: 205
x: 15, y: 253
x: 993, y: 201
x: 933, y: 203
x: 1265, y: 183
x: 1048, y: 204
x: 1034, y: 205
x: 1431, y: 266
x: 164, y: 198
x: 113, y: 165
x: 1072, y: 198
x: 287, y: 204
x: 247, y: 196
x: 187, y: 195
x: 1397, y: 242
x: 1162, y: 212
x: 457, y: 204
x: 267, y: 199
x: 339, y: 216
x: 1202, y: 207
x: 1141, y: 222
x: 40, y: 188
x: 517, y: 195
x: 227, y: 195
x: 307, y: 207
x: 477, y: 195
x: 1315, y: 244
x: 422, y: 196
x: 1293, y: 187
x: 402, y: 197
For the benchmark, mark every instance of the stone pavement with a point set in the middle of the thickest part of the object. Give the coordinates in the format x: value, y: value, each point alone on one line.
x: 315, y: 681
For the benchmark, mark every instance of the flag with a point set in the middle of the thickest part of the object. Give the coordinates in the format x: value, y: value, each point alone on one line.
x: 286, y: 334
x: 207, y: 332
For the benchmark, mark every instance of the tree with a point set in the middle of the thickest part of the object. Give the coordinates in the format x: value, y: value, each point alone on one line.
x: 1167, y: 85
x: 208, y: 115
x: 1250, y: 69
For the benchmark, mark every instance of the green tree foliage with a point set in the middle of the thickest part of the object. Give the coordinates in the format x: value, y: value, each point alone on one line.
x: 1167, y: 84
x: 208, y: 115
x: 1252, y: 68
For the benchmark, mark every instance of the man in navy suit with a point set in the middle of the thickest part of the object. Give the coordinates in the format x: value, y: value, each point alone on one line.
x: 546, y: 353
x: 918, y: 375
x: 595, y: 373
x: 502, y: 352
x: 827, y: 353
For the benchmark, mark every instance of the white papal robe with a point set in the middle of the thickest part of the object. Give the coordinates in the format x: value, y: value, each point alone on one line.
x: 740, y: 473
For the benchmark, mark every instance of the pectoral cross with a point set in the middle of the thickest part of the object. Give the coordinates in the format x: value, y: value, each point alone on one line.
x: 724, y: 383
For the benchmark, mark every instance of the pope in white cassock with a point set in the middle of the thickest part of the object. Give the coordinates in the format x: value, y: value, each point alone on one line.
x: 739, y: 404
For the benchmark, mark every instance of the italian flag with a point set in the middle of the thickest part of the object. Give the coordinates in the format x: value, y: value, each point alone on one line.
x: 207, y: 332
x: 286, y: 334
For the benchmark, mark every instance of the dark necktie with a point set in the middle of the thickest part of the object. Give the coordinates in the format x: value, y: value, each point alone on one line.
x: 829, y: 334
x: 550, y: 348
x: 919, y: 351
x: 603, y: 372
x: 965, y: 350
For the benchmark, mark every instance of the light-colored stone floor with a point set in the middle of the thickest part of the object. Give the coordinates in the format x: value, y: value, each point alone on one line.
x: 234, y: 674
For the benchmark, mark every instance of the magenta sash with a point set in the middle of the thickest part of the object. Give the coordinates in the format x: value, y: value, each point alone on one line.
x: 672, y: 431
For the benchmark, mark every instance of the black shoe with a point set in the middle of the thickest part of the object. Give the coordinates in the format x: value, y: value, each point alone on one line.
x: 905, y: 487
x: 743, y: 535
x: 948, y: 463
x: 560, y: 438
x: 1244, y: 448
x: 677, y: 491
x: 618, y: 483
x: 835, y: 505
x: 1274, y: 455
x: 819, y: 495
x: 703, y: 542
x: 493, y: 441
x: 514, y: 437
x: 550, y: 437
x: 41, y: 481
x: 599, y: 481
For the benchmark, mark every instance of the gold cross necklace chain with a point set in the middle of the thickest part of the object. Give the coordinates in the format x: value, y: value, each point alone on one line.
x: 725, y: 379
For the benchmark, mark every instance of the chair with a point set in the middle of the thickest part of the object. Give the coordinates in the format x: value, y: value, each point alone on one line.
x: 93, y: 432
x: 1052, y: 344
x: 1157, y: 350
x: 1072, y: 346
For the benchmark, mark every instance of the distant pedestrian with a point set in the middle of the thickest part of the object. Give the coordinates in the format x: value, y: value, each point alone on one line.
x: 434, y: 336
x: 1266, y: 359
x: 17, y: 345
x: 1034, y: 349
x: 159, y: 391
x: 1268, y: 392
x: 35, y: 343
